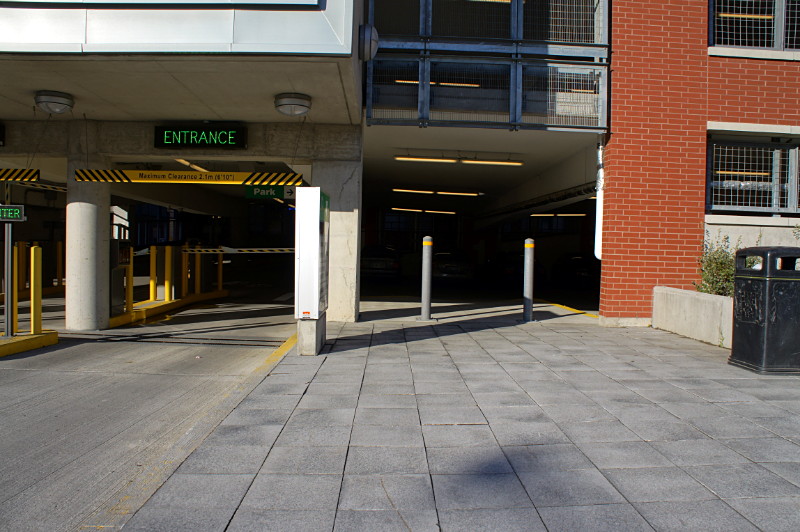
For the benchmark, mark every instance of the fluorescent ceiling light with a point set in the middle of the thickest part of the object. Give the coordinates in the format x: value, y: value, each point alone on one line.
x: 190, y: 165
x: 563, y: 215
x: 440, y: 212
x: 492, y: 163
x: 449, y: 84
x: 413, y: 191
x: 543, y: 215
x: 438, y: 192
x: 459, y: 193
x: 406, y: 158
x: 278, y: 200
x: 441, y: 83
x: 406, y: 210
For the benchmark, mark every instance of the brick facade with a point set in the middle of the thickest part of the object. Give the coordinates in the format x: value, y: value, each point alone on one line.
x: 664, y: 89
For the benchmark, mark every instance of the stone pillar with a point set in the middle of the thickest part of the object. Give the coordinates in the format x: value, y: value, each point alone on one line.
x: 341, y: 180
x: 87, y: 246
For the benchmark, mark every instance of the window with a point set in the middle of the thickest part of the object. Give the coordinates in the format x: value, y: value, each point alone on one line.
x: 753, y: 177
x: 768, y: 24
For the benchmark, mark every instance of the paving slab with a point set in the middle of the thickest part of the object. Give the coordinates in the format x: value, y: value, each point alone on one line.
x: 475, y: 422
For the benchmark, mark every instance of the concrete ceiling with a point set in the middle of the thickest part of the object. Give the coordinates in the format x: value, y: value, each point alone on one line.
x: 171, y: 87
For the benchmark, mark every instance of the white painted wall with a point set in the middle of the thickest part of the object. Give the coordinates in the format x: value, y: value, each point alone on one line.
x: 329, y: 31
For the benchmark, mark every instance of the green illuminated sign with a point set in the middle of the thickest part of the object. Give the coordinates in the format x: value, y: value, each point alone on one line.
x: 202, y: 136
x: 12, y: 213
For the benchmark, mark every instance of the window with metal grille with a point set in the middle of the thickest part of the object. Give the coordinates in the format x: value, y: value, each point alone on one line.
x: 395, y: 89
x: 567, y: 21
x: 770, y: 24
x: 471, y: 18
x: 559, y: 21
x: 498, y: 94
x: 469, y: 92
x: 396, y: 17
x: 560, y: 95
x: 753, y: 177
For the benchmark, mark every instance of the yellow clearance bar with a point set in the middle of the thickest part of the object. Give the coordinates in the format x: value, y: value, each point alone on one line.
x: 19, y: 175
x: 227, y: 250
x: 179, y: 176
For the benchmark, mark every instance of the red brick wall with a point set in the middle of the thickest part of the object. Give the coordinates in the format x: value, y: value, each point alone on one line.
x: 655, y: 157
x: 664, y: 89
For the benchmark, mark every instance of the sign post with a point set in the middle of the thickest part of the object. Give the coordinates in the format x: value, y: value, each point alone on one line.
x: 9, y: 214
x: 312, y: 228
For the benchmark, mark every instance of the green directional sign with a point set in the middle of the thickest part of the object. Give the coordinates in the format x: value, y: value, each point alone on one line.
x: 270, y: 192
x: 12, y: 213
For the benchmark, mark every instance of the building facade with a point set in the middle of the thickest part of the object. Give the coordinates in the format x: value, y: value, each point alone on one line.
x: 631, y: 131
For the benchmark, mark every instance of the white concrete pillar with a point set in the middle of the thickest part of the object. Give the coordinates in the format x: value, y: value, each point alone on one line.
x: 87, y: 250
x: 341, y: 180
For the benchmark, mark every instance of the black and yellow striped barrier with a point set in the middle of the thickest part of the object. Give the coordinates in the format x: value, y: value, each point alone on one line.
x: 227, y: 250
x: 42, y: 186
x: 168, y: 176
x: 19, y: 175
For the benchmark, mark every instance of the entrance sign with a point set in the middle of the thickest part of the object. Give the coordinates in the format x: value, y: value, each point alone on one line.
x: 312, y: 227
x: 20, y: 175
x: 179, y: 176
x: 270, y: 192
x: 12, y: 213
x: 201, y: 136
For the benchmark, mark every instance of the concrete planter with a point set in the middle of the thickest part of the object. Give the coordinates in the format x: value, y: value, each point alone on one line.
x: 704, y: 317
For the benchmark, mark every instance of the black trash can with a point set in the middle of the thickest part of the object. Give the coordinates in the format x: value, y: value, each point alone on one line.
x: 766, y: 310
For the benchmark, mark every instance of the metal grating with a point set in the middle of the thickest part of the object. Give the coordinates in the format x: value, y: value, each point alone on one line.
x: 395, y: 89
x: 752, y: 178
x: 486, y: 19
x: 396, y: 17
x: 470, y: 92
x: 566, y: 21
x: 792, y: 39
x: 749, y: 23
x: 564, y: 96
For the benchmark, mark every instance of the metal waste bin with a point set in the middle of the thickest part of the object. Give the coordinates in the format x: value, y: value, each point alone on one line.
x: 766, y: 310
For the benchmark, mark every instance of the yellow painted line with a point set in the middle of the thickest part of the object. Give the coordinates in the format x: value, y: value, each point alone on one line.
x: 570, y: 309
x: 529, y: 245
x: 278, y: 354
x: 427, y: 243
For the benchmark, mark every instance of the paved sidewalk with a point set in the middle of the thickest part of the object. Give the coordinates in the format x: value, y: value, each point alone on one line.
x: 478, y: 422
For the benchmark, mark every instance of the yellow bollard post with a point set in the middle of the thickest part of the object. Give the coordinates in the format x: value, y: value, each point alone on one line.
x: 197, y: 265
x: 36, y: 290
x: 168, y: 273
x: 129, y: 286
x: 15, y: 292
x: 59, y: 263
x: 22, y: 266
x: 153, y: 273
x: 184, y: 271
x: 220, y: 258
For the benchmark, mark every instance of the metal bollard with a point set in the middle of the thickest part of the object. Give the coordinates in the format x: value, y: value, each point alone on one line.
x: 527, y: 290
x: 427, y: 263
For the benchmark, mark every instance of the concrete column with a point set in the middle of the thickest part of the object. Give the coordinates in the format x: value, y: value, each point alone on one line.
x: 87, y: 246
x: 341, y: 180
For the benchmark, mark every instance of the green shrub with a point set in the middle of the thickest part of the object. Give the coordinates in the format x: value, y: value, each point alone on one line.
x: 717, y: 266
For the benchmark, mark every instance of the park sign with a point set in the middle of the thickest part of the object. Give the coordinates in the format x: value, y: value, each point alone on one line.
x: 208, y: 136
x: 269, y: 192
x: 12, y: 213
